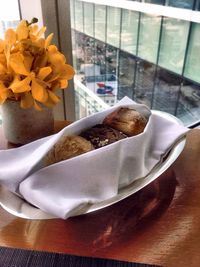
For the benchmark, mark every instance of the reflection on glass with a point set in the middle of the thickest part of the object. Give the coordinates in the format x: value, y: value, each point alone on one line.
x: 127, y: 64
x: 197, y: 6
x: 129, y: 30
x: 166, y: 91
x: 100, y: 22
x: 100, y: 56
x: 74, y: 49
x: 173, y: 44
x: 72, y: 14
x: 149, y: 37
x: 78, y: 15
x: 192, y: 67
x: 144, y: 82
x: 189, y: 103
x: 89, y: 19
x: 113, y: 26
x: 188, y: 4
x: 158, y: 2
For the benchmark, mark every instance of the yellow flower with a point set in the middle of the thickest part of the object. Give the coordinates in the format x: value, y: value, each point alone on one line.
x: 31, y: 69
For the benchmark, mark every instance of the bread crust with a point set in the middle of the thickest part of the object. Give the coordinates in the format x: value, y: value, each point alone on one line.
x: 128, y: 121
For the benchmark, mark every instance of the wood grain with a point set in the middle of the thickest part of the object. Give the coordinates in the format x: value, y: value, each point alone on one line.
x: 160, y: 224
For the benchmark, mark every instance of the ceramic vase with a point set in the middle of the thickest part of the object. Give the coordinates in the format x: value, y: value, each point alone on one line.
x: 22, y: 126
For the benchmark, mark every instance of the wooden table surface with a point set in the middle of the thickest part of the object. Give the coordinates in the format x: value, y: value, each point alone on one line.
x: 158, y: 225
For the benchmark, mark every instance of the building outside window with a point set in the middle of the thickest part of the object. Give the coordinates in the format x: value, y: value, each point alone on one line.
x: 154, y: 58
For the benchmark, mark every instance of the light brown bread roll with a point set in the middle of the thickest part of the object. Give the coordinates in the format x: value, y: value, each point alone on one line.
x: 68, y: 147
x: 128, y: 121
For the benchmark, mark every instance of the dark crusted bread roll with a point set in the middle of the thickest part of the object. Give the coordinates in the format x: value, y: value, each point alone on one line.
x: 68, y: 147
x: 101, y: 135
x: 129, y: 121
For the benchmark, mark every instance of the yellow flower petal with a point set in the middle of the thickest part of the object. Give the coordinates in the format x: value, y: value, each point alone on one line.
x: 18, y: 86
x: 37, y: 106
x: 33, y: 29
x: 2, y: 69
x: 2, y: 45
x: 67, y: 72
x: 17, y: 64
x: 44, y: 72
x: 26, y: 100
x: 3, y: 59
x: 39, y: 92
x: 52, y: 49
x: 41, y: 32
x: 3, y: 93
x: 63, y: 84
x: 22, y: 30
x: 10, y: 36
x: 48, y: 40
x: 55, y: 99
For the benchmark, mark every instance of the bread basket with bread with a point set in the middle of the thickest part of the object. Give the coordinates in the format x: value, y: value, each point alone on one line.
x: 89, y: 160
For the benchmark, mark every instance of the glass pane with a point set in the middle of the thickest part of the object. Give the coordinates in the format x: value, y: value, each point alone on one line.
x: 109, y: 93
x: 144, y: 82
x: 158, y: 2
x: 180, y: 3
x: 166, y: 91
x: 192, y: 67
x: 78, y: 16
x: 129, y: 30
x: 189, y: 103
x: 127, y: 64
x: 197, y: 6
x: 100, y: 57
x: 100, y: 22
x: 173, y: 44
x: 72, y: 13
x: 78, y: 52
x: 74, y: 49
x: 149, y: 37
x: 113, y: 26
x: 89, y: 19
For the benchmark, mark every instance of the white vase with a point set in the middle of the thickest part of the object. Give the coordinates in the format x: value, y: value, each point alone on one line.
x: 22, y: 126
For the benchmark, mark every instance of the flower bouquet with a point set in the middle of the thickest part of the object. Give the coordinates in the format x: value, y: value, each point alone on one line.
x: 31, y: 68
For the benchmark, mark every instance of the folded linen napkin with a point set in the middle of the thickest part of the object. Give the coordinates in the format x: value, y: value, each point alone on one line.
x: 65, y: 188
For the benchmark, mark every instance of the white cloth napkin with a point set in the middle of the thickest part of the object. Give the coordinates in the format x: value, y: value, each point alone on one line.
x: 65, y: 188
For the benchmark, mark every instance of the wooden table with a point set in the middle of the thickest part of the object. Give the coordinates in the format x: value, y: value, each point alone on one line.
x: 158, y: 225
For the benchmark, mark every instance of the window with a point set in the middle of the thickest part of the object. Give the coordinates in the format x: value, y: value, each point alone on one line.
x: 188, y: 109
x: 173, y: 44
x: 100, y: 22
x: 113, y: 26
x: 188, y: 4
x: 149, y: 37
x: 144, y: 82
x: 89, y: 19
x: 129, y: 31
x: 127, y: 65
x: 166, y: 91
x: 78, y: 15
x: 192, y: 67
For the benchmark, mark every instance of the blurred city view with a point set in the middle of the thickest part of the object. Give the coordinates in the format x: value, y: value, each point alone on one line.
x: 153, y: 59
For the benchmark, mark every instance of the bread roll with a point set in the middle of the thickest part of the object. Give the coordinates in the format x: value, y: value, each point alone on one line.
x: 128, y: 121
x: 68, y: 147
x: 101, y: 135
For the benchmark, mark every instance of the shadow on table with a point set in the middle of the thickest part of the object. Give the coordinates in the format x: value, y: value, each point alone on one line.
x: 122, y: 220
